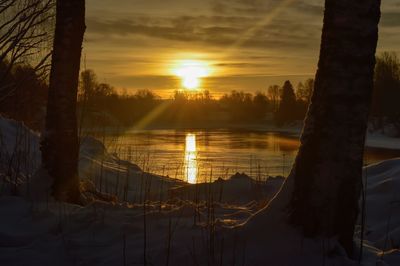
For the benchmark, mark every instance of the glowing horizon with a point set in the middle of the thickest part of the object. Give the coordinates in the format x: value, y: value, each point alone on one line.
x: 248, y: 45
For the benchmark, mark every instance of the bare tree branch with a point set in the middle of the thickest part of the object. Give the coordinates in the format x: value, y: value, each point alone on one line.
x: 26, y: 31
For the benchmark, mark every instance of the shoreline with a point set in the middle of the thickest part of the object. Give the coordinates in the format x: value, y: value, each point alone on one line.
x: 373, y: 139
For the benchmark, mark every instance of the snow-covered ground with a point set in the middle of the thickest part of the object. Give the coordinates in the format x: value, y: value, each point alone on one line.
x: 375, y: 139
x: 168, y: 222
x: 379, y: 140
x: 382, y: 213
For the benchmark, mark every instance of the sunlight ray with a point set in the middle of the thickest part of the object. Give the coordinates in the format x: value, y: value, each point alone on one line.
x: 151, y: 116
x: 262, y: 23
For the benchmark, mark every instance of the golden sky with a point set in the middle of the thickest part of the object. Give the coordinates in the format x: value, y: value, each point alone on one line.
x: 246, y: 44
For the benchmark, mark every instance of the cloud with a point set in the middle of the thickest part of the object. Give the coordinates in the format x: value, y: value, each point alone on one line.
x: 315, y: 9
x: 245, y: 65
x: 262, y: 7
x: 212, y: 30
x: 390, y: 19
x: 127, y: 37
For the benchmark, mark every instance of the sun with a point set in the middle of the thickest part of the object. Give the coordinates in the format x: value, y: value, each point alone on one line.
x: 191, y: 72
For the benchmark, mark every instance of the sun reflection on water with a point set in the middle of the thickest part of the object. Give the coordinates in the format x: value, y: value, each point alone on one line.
x: 191, y: 159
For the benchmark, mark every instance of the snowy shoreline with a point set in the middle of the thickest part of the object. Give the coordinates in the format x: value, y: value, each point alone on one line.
x: 182, y: 220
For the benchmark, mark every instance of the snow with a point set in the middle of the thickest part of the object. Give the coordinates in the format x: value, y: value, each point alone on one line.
x: 19, y: 147
x: 379, y: 140
x: 167, y: 221
x: 382, y: 211
x: 374, y: 138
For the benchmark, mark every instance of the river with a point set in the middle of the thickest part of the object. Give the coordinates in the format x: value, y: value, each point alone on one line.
x: 202, y: 155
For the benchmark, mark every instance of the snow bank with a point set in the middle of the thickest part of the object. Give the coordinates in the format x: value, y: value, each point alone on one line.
x: 104, y: 174
x: 99, y: 171
x: 375, y: 139
x: 19, y: 147
x: 382, y: 212
x: 378, y: 140
x: 238, y: 189
x: 45, y: 232
x: 166, y: 221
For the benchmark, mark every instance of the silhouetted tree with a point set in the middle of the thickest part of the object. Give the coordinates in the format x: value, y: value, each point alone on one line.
x: 180, y: 96
x: 60, y: 149
x: 104, y: 90
x: 146, y: 95
x: 25, y: 99
x: 273, y: 95
x: 24, y: 52
x: 304, y: 91
x: 303, y: 97
x: 261, y: 105
x: 328, y: 168
x: 87, y: 85
x: 239, y: 105
x: 287, y: 107
x: 91, y: 92
x: 386, y: 94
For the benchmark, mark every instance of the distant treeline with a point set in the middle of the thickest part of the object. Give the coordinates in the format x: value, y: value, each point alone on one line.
x: 24, y: 96
x: 100, y: 103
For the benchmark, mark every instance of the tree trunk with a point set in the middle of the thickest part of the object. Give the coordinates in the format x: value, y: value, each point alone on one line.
x: 328, y: 168
x: 60, y: 150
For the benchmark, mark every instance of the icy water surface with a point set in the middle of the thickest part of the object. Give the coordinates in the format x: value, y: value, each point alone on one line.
x: 196, y: 156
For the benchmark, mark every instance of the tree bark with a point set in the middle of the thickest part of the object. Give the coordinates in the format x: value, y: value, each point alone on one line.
x: 328, y: 169
x: 60, y: 149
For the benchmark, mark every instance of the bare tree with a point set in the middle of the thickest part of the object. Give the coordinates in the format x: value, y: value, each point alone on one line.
x: 60, y: 149
x: 328, y: 168
x: 24, y: 35
x: 304, y: 91
x: 385, y: 107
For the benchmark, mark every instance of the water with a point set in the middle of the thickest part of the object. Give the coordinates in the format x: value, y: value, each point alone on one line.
x: 200, y: 156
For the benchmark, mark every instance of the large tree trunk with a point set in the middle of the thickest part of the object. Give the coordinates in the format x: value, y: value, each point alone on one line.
x: 60, y: 141
x: 328, y: 169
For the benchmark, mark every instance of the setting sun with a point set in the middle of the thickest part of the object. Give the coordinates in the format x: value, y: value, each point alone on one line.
x: 191, y: 72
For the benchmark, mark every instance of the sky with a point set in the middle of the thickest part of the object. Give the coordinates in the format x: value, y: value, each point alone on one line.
x: 245, y: 44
